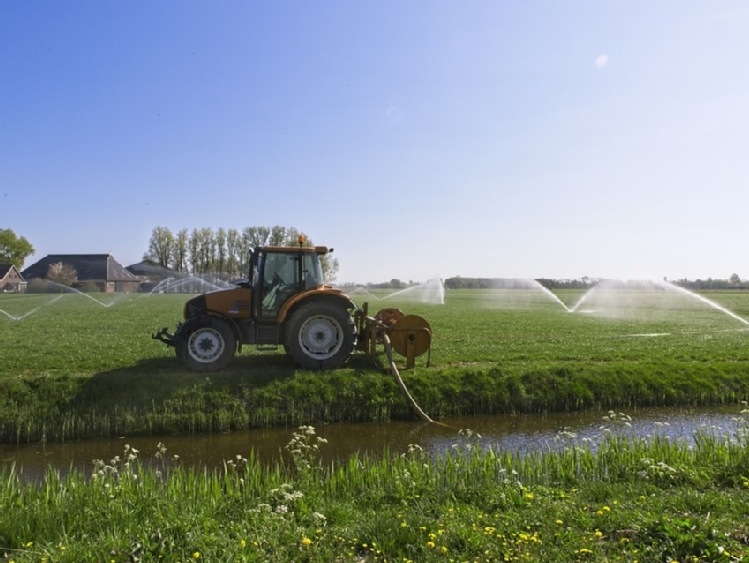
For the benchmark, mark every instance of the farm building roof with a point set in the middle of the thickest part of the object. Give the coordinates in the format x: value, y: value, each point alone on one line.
x: 87, y: 266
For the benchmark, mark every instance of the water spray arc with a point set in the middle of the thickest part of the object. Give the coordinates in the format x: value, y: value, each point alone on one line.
x: 432, y: 291
x: 65, y: 292
x: 611, y: 287
x: 702, y: 299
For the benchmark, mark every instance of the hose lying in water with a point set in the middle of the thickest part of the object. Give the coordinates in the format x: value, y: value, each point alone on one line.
x: 397, y: 376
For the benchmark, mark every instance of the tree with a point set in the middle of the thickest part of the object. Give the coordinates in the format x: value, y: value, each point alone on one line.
x: 234, y: 253
x: 62, y: 274
x: 13, y: 249
x: 224, y: 252
x: 160, y: 247
x: 329, y: 268
x: 735, y: 280
x: 179, y: 254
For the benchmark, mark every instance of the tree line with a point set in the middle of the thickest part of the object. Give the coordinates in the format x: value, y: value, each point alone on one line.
x: 222, y: 253
x: 225, y: 253
x: 458, y: 282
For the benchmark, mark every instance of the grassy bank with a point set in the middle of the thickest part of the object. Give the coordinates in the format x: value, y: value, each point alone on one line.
x: 75, y: 366
x: 628, y: 500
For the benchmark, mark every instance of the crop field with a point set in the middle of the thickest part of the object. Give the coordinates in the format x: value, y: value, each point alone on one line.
x: 77, y: 365
x: 74, y: 334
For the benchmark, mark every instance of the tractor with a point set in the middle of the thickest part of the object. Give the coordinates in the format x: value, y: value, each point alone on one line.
x: 285, y: 302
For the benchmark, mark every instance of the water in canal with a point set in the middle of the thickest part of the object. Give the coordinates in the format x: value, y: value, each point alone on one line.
x: 519, y: 433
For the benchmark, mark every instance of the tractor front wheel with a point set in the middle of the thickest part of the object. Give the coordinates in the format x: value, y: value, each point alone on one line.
x: 206, y: 344
x: 320, y: 335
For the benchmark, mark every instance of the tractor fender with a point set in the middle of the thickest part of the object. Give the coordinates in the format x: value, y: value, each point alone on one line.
x: 326, y: 293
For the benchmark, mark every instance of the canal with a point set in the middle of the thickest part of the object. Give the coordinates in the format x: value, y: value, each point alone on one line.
x: 517, y: 433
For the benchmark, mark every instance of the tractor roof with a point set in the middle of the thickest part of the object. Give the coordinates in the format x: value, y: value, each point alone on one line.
x: 292, y: 249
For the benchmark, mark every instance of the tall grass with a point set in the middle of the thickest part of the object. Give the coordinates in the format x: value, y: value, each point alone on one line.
x: 626, y: 499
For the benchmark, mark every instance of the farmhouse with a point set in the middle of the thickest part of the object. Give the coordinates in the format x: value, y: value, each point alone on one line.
x: 152, y: 273
x: 11, y: 279
x: 100, y: 270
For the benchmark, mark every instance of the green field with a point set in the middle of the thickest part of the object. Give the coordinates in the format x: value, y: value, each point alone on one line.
x: 84, y: 365
x: 74, y: 367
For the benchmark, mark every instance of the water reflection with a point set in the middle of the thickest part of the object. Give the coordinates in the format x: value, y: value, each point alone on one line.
x: 517, y: 433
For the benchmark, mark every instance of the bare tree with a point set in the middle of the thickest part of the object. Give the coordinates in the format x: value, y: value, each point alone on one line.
x: 62, y: 274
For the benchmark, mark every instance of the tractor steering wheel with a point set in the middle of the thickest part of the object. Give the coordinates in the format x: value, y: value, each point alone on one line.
x: 278, y: 281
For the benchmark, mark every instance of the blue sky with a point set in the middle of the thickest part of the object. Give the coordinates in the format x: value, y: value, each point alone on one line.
x: 419, y: 139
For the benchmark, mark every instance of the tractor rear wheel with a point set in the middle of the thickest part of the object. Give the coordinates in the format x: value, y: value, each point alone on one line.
x: 320, y: 335
x: 206, y: 344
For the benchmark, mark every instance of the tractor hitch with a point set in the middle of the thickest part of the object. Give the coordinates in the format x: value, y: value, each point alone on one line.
x: 164, y: 336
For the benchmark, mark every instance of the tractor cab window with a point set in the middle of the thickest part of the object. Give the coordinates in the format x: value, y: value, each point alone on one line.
x: 280, y: 280
x: 257, y: 266
x: 311, y: 271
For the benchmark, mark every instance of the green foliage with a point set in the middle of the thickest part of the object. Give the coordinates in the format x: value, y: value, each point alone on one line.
x: 574, y: 504
x: 224, y: 252
x: 14, y: 249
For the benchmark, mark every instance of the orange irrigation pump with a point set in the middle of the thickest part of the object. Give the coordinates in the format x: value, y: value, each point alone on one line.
x: 285, y: 302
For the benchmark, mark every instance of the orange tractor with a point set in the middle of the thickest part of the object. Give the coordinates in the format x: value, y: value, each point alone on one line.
x: 285, y: 302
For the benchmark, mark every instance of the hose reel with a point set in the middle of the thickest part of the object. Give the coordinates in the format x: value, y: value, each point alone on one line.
x: 410, y: 335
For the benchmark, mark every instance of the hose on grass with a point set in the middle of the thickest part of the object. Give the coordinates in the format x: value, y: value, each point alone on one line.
x: 397, y: 376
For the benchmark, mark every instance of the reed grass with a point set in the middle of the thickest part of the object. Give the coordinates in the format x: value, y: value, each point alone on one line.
x: 624, y: 499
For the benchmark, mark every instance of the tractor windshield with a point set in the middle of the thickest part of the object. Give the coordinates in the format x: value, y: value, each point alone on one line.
x: 287, y: 273
x: 311, y: 271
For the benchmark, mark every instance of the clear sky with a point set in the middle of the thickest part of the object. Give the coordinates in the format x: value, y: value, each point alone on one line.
x: 418, y: 138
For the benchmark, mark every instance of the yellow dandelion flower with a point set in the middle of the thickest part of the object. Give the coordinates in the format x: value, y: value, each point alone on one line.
x: 306, y: 541
x: 430, y: 544
x: 559, y: 522
x: 196, y: 555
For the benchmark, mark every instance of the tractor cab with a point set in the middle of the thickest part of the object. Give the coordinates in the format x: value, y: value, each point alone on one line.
x: 278, y: 273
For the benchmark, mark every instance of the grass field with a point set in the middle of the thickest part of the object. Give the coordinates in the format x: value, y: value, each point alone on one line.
x: 73, y: 367
x: 84, y: 365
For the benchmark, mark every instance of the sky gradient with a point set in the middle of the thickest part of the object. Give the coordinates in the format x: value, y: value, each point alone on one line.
x: 419, y: 139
